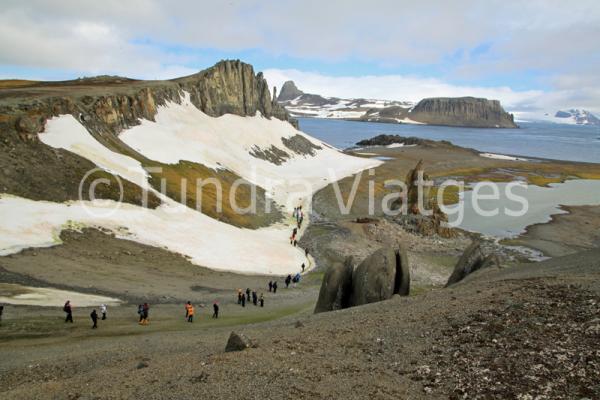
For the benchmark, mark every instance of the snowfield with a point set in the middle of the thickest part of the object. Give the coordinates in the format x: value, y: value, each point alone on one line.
x: 46, y: 297
x: 182, y: 132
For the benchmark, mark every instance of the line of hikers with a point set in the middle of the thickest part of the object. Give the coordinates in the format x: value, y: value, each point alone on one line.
x: 143, y: 311
x: 243, y: 297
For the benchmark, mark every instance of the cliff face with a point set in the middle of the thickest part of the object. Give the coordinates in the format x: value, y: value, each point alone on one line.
x: 462, y: 111
x: 106, y: 106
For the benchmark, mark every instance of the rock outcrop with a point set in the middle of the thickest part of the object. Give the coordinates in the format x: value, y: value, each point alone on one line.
x: 380, y: 276
x: 336, y: 287
x: 472, y: 259
x: 289, y: 91
x: 239, y: 342
x: 462, y: 111
x: 386, y: 140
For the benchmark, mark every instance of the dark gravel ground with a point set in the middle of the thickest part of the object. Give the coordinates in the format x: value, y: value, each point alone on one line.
x: 527, y: 332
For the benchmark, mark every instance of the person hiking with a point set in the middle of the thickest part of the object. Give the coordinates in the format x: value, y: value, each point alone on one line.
x: 239, y: 296
x: 270, y: 286
x: 295, y: 231
x: 248, y: 294
x: 288, y: 279
x: 215, y: 309
x: 103, y: 311
x: 190, y: 312
x: 275, y: 287
x: 69, y: 311
x: 303, y: 266
x: 243, y: 300
x: 94, y: 317
x: 306, y: 252
x: 254, y: 297
x: 145, y: 314
x: 1, y: 312
x: 262, y: 300
x: 188, y: 305
x: 141, y: 312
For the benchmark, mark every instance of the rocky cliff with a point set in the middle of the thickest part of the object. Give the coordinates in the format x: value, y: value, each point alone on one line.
x: 107, y: 105
x: 462, y: 111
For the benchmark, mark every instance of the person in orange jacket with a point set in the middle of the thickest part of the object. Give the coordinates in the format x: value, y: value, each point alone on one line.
x: 189, y: 311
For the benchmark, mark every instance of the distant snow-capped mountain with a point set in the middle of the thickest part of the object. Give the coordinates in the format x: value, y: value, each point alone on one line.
x: 579, y: 117
x: 572, y: 117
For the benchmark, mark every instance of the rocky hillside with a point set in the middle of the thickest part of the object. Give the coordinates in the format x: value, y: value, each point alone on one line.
x: 105, y: 106
x: 462, y: 111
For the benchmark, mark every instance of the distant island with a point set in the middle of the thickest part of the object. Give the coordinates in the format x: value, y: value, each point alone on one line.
x: 448, y: 111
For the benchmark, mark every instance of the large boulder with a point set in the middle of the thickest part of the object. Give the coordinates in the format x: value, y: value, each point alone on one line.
x: 336, y: 287
x: 239, y: 342
x: 402, y: 281
x: 380, y: 276
x: 471, y: 260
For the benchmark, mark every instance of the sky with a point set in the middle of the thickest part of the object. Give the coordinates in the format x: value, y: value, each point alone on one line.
x: 531, y: 55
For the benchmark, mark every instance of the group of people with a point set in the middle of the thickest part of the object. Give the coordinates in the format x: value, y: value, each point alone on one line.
x: 295, y: 279
x: 189, y: 311
x: 68, y: 309
x: 143, y: 311
x: 250, y: 294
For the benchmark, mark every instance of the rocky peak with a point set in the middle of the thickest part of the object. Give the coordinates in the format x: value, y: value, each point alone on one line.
x: 289, y: 91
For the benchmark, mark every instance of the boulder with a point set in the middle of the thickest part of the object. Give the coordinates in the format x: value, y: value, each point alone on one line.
x: 239, y: 342
x: 380, y: 276
x: 28, y: 125
x: 336, y: 287
x: 402, y: 281
x: 472, y: 259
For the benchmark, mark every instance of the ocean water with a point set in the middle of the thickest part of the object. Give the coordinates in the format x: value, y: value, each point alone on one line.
x: 539, y: 204
x: 532, y: 139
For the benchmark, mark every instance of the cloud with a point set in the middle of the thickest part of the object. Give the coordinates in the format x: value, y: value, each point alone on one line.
x: 467, y: 39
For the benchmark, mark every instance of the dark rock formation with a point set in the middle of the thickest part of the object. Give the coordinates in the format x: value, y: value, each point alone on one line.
x: 301, y: 145
x: 471, y: 260
x: 462, y: 111
x: 289, y: 91
x: 380, y: 276
x: 336, y: 288
x: 239, y: 342
x: 386, y: 140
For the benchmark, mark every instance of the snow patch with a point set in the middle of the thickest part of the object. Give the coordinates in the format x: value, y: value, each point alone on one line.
x: 502, y: 157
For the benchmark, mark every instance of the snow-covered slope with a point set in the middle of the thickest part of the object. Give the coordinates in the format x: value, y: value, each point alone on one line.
x: 182, y: 132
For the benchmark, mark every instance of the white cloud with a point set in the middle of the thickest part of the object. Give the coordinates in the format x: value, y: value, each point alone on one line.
x: 558, y: 39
